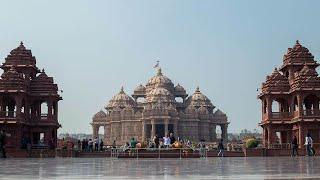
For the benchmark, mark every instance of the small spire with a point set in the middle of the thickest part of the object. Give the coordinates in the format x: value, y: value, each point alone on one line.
x: 43, y: 70
x: 197, y: 89
x: 121, y: 91
x: 275, y: 69
x: 21, y: 43
x: 297, y: 42
x: 159, y: 72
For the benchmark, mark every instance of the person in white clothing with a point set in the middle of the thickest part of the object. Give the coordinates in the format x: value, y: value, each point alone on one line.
x: 308, y: 144
x: 166, y: 141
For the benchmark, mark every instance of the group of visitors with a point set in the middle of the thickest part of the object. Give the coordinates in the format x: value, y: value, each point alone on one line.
x: 308, y: 143
x: 91, y: 145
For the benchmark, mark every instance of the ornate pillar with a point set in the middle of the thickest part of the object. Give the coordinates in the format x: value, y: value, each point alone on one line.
x: 224, y: 132
x: 153, y: 128
x: 302, y: 135
x: 300, y: 104
x: 175, y: 128
x: 49, y: 103
x: 144, y: 130
x: 269, y: 138
x: 269, y: 106
x: 166, y: 124
x: 214, y: 132
x: 18, y: 106
x: 95, y: 131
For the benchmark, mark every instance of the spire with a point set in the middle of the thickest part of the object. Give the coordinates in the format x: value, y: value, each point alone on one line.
x: 297, y: 42
x: 21, y: 43
x: 197, y: 89
x: 159, y: 73
x: 43, y: 70
x: 121, y: 91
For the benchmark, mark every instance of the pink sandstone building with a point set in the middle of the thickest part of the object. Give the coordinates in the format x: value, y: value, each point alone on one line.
x: 290, y: 99
x: 155, y: 109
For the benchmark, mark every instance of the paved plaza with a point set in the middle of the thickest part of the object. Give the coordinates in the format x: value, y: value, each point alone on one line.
x: 211, y: 168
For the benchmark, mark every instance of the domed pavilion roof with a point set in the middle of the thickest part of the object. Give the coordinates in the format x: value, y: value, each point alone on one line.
x: 159, y: 94
x: 20, y: 57
x: 160, y: 80
x: 298, y: 55
x: 12, y: 80
x: 198, y: 99
x: 99, y: 115
x: 276, y: 82
x: 306, y: 79
x: 44, y: 85
x: 121, y: 100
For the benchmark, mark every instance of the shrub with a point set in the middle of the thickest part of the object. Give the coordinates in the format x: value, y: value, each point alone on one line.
x: 251, y: 143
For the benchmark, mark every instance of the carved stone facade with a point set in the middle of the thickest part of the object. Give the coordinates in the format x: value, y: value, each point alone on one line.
x: 155, y: 109
x: 24, y: 90
x: 295, y: 89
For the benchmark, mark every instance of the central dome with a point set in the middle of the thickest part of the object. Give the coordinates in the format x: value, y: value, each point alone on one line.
x: 160, y: 80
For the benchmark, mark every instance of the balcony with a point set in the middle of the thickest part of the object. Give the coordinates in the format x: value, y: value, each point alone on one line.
x: 277, y: 116
x: 311, y: 113
x: 8, y: 114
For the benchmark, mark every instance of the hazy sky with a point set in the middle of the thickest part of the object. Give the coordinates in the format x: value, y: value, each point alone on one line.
x: 92, y: 48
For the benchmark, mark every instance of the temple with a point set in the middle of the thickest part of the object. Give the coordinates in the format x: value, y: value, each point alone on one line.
x: 28, y: 102
x: 160, y: 108
x: 290, y: 100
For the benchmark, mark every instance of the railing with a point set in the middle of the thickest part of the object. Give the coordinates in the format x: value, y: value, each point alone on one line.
x: 8, y: 114
x: 277, y: 116
x: 311, y: 113
x: 44, y: 116
x: 159, y: 152
x: 279, y: 146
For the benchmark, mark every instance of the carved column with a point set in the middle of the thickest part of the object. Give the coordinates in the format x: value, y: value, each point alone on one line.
x: 300, y: 104
x: 18, y: 106
x: 269, y: 104
x: 95, y: 129
x: 214, y: 133
x: 302, y: 135
x: 224, y: 132
x: 269, y: 136
x: 153, y: 128
x: 175, y: 128
x: 143, y: 130
x: 166, y: 124
x: 49, y: 103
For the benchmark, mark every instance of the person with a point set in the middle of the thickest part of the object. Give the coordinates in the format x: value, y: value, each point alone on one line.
x: 90, y: 144
x: 308, y: 144
x: 166, y: 141
x: 114, y: 144
x: 79, y: 144
x: 96, y: 144
x: 294, y: 146
x: 133, y: 143
x: 172, y: 138
x: 220, y: 148
x: 83, y: 145
x: 101, y: 145
x: 156, y: 141
x: 3, y: 143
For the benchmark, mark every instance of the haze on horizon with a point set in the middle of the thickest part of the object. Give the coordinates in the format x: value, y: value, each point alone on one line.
x: 92, y: 48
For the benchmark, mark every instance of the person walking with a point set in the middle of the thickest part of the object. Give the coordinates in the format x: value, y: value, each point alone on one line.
x: 294, y: 146
x: 308, y: 144
x: 96, y: 144
x: 172, y: 138
x: 220, y: 148
x: 156, y: 141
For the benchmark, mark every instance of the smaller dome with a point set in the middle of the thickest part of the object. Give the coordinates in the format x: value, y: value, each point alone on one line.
x: 140, y: 88
x: 12, y: 80
x: 99, y: 115
x: 159, y: 95
x: 198, y: 99
x: 219, y: 113
x: 179, y: 90
x: 121, y: 100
